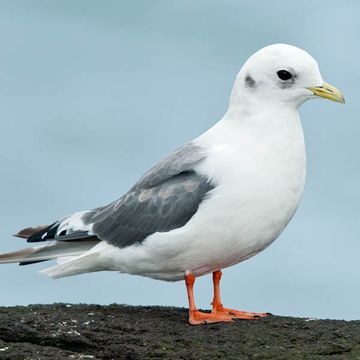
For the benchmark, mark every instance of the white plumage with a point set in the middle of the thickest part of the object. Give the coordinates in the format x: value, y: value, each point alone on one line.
x: 254, y: 158
x: 242, y: 216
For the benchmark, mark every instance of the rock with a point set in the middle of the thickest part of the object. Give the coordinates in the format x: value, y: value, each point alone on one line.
x: 63, y: 331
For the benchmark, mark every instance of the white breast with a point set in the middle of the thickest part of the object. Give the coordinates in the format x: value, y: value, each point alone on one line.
x: 261, y: 178
x: 259, y: 173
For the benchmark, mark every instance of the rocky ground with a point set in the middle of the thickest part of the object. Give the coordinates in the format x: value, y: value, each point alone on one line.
x: 63, y: 331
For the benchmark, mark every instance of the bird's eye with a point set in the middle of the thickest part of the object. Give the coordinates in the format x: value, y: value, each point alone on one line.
x: 284, y: 75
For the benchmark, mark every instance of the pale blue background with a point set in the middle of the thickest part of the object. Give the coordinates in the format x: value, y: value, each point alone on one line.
x: 92, y: 93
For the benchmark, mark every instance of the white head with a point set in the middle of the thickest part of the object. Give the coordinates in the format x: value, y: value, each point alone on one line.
x: 281, y: 74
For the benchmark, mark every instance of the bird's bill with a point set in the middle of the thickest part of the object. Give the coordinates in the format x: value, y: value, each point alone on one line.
x: 328, y: 91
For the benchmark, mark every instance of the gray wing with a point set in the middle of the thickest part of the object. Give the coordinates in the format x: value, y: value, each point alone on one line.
x: 165, y: 198
x: 182, y: 159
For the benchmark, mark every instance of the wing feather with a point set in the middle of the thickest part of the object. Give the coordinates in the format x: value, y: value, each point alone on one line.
x: 165, y: 198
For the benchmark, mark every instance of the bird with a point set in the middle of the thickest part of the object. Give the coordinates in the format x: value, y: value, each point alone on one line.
x: 212, y: 203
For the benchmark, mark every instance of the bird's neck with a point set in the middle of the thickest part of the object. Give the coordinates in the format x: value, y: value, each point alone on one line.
x: 269, y: 143
x: 264, y: 125
x: 262, y: 119
x: 249, y: 109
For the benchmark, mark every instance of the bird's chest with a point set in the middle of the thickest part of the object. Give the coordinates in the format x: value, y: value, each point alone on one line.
x: 259, y: 188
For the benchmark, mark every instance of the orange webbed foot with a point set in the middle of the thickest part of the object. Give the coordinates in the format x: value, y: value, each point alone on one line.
x: 237, y: 314
x: 197, y: 317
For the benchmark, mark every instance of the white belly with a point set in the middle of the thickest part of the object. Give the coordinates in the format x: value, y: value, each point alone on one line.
x: 259, y: 189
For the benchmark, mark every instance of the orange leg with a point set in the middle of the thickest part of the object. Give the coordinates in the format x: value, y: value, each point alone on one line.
x: 197, y: 317
x: 217, y: 307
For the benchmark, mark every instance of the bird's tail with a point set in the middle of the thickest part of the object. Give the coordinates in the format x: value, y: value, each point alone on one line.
x: 79, y: 265
x: 72, y: 250
x: 54, y: 250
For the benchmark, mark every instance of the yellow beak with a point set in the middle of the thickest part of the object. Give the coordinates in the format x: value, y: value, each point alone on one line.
x: 328, y: 91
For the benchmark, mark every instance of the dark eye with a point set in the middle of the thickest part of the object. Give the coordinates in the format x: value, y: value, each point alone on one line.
x: 284, y: 75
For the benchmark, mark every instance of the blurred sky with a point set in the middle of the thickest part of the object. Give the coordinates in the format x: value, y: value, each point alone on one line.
x: 92, y: 93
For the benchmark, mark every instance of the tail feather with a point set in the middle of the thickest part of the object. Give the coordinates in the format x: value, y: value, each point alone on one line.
x: 16, y: 256
x: 80, y: 265
x: 67, y: 240
x: 56, y: 249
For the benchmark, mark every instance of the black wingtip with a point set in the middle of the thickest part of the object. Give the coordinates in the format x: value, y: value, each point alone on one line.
x: 23, y: 263
x: 30, y: 231
x: 46, y: 233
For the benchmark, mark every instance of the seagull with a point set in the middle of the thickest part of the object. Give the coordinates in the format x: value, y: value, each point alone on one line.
x: 214, y: 202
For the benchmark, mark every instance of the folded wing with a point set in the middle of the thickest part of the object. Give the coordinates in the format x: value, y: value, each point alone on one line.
x: 165, y: 198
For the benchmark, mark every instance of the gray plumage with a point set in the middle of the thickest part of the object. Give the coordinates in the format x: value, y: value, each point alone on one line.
x: 165, y: 198
x: 249, y: 82
x: 182, y: 159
